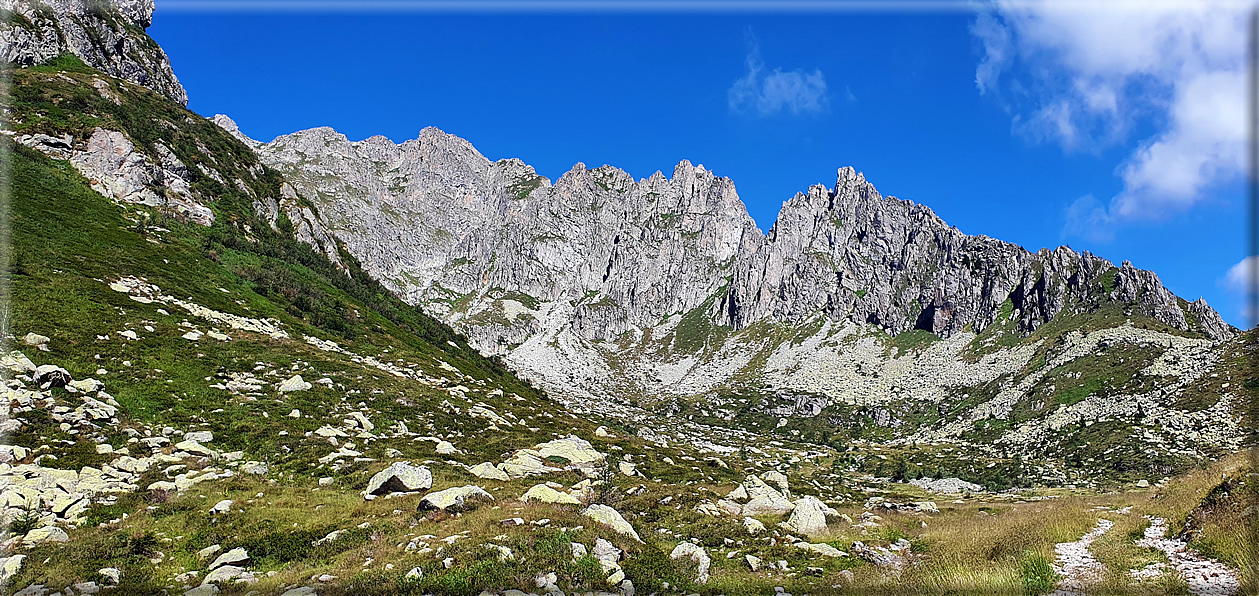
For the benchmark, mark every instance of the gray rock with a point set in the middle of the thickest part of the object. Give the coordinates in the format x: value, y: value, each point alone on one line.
x: 46, y: 534
x: 109, y: 37
x: 809, y: 516
x: 399, y: 477
x: 454, y: 498
x: 236, y: 556
x: 293, y: 383
x: 695, y: 554
x: 111, y: 574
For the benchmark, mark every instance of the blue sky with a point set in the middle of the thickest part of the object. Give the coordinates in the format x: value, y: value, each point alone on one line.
x: 1005, y: 122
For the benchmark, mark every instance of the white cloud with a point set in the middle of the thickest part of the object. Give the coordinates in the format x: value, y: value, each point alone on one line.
x: 797, y: 91
x: 1085, y: 76
x: 1238, y: 276
x: 1238, y: 280
x: 1087, y: 218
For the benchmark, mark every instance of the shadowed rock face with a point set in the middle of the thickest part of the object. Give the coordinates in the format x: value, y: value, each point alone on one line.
x: 602, y: 253
x: 106, y: 35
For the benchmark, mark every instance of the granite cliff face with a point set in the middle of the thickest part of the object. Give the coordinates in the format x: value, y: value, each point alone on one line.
x: 605, y: 254
x: 105, y: 34
x: 853, y: 254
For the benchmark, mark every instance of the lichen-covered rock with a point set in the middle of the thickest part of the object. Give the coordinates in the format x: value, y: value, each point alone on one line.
x: 697, y: 555
x: 808, y: 517
x: 545, y: 494
x: 612, y: 519
x: 454, y: 498
x: 399, y: 477
x: 488, y: 471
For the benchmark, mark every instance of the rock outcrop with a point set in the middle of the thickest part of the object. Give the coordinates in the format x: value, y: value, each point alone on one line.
x: 106, y: 35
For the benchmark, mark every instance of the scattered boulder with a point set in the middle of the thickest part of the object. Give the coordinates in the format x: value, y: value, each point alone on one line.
x: 223, y: 506
x: 878, y: 556
x: 572, y: 448
x: 111, y: 574
x: 456, y: 498
x: 546, y: 494
x: 753, y: 526
x: 9, y: 566
x: 399, y: 477
x: 46, y: 534
x: 228, y: 574
x: 610, y: 518
x: 821, y: 548
x: 300, y: 591
x: 754, y: 562
x: 236, y: 556
x: 763, y: 499
x: 488, y: 471
x: 51, y: 375
x: 697, y: 554
x: 808, y: 517
x: 779, y: 479
x: 200, y: 436
x: 446, y: 448
x: 293, y: 383
x: 36, y: 340
x: 926, y: 507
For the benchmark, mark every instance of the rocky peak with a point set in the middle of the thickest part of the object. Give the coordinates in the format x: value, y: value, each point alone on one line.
x: 441, y: 223
x: 108, y: 36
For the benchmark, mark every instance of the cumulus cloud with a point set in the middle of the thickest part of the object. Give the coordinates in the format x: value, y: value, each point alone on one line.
x: 1238, y: 279
x: 766, y: 93
x: 1086, y: 76
x: 1238, y: 276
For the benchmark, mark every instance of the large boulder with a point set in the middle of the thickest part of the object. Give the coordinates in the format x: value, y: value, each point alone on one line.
x: 576, y: 450
x: 612, y: 519
x: 399, y: 477
x: 51, y: 375
x: 545, y: 494
x: 488, y: 471
x: 46, y: 534
x: 293, y: 383
x: 9, y: 566
x: 454, y: 498
x: 686, y: 550
x: 237, y: 556
x: 808, y: 517
x: 762, y: 499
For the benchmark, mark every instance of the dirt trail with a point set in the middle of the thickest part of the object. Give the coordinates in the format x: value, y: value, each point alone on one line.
x: 1206, y: 577
x: 1076, y: 564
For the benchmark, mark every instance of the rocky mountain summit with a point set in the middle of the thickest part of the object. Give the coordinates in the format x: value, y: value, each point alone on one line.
x: 106, y: 35
x: 443, y: 225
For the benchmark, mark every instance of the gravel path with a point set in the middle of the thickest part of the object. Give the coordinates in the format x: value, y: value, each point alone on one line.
x: 1076, y: 564
x: 1206, y: 577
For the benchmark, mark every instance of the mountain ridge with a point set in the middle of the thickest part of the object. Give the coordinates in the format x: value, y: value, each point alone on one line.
x: 811, y: 221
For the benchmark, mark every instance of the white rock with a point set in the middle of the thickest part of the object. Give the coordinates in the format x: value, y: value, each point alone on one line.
x: 697, y: 554
x: 454, y: 497
x: 231, y: 557
x: 545, y: 494
x: 610, y: 518
x: 223, y: 506
x: 399, y: 477
x: 293, y: 383
x: 488, y: 471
